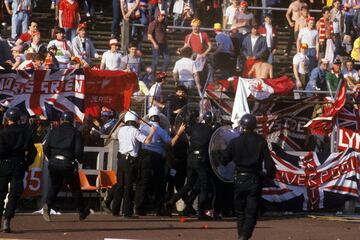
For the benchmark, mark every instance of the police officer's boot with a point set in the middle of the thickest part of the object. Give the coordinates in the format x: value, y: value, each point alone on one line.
x: 46, y: 213
x: 83, y: 214
x: 5, y: 226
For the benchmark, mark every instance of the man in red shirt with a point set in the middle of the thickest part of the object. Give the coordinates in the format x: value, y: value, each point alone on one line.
x: 27, y: 36
x: 69, y: 17
x: 198, y: 41
x: 200, y: 44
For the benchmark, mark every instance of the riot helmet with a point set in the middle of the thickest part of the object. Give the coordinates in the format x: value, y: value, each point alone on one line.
x: 13, y: 114
x: 248, y: 122
x: 130, y: 116
x: 209, y: 117
x: 154, y: 114
x: 67, y: 117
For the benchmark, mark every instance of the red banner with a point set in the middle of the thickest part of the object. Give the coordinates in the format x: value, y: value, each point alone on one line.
x: 348, y: 139
x: 111, y: 89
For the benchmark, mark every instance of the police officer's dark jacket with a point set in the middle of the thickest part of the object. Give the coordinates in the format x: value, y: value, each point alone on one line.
x: 200, y: 135
x: 16, y: 144
x: 248, y: 151
x: 64, y: 141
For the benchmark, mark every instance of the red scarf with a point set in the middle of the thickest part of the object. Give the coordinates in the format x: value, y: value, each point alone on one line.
x: 64, y: 42
x: 322, y: 31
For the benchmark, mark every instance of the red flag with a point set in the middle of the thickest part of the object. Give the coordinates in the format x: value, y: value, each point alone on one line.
x: 112, y: 89
x: 323, y: 124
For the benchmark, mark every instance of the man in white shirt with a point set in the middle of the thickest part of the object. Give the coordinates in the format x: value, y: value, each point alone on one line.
x: 155, y: 97
x: 310, y: 36
x: 230, y: 13
x: 301, y: 67
x: 111, y: 59
x: 350, y: 74
x: 185, y: 73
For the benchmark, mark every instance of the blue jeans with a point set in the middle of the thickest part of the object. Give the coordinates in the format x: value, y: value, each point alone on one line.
x: 116, y: 17
x: 271, y: 56
x: 164, y: 50
x: 70, y: 33
x: 311, y: 53
x: 19, y: 23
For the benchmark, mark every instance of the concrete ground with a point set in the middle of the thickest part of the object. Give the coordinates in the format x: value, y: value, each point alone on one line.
x: 101, y: 226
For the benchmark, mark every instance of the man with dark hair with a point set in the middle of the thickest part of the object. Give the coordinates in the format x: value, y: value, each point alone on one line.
x: 253, y: 47
x: 17, y: 153
x: 185, y: 73
x: 64, y: 148
x: 325, y: 28
x: 132, y: 62
x: 27, y: 36
x: 158, y: 38
x: 155, y: 97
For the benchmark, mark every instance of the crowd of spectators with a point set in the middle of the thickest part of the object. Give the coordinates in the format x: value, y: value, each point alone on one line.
x: 245, y: 41
x: 323, y: 48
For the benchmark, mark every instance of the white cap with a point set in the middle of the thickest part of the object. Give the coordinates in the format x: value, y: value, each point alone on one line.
x: 130, y: 116
x: 154, y: 111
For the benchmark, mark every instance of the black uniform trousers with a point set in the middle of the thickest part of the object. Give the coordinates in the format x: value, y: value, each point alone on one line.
x: 127, y: 173
x: 247, y: 194
x: 60, y: 174
x: 10, y: 172
x: 151, y: 172
x: 197, y: 172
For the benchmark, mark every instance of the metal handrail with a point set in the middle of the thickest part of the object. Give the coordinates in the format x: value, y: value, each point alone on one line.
x: 279, y: 9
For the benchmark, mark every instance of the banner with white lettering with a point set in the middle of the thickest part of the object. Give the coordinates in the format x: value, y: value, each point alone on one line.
x: 313, y: 181
x: 282, y: 121
x: 45, y: 93
x: 48, y: 93
x: 348, y: 139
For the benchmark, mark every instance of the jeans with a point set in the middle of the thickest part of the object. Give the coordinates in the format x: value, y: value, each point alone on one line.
x: 116, y: 18
x: 70, y: 33
x: 349, y: 24
x: 152, y: 11
x: 337, y: 44
x: 163, y: 50
x: 19, y: 23
x: 311, y: 53
x: 271, y: 56
x: 190, y: 86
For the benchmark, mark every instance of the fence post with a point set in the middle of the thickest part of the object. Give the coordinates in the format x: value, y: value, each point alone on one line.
x: 125, y: 35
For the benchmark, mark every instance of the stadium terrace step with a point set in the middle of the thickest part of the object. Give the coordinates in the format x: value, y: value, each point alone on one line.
x: 101, y: 34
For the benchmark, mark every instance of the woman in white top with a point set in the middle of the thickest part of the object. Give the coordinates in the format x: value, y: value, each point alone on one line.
x: 64, y: 48
x: 111, y: 59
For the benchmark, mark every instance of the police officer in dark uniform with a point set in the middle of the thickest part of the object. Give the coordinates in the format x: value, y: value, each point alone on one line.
x: 17, y: 153
x: 248, y: 151
x: 64, y: 148
x: 198, y: 165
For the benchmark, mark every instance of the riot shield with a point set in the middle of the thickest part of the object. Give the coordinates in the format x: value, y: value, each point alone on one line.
x: 218, y: 143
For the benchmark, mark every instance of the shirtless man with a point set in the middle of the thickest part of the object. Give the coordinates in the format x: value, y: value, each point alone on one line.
x: 261, y: 69
x: 301, y: 21
x: 292, y: 14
